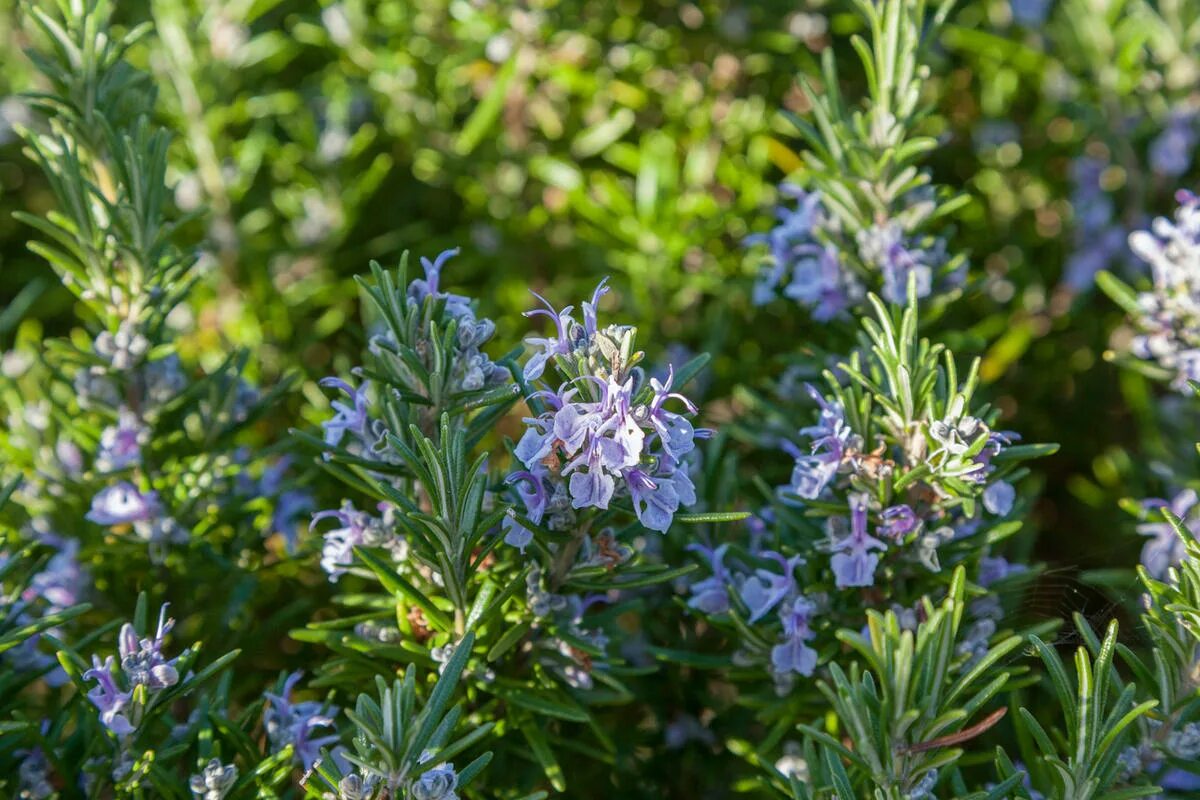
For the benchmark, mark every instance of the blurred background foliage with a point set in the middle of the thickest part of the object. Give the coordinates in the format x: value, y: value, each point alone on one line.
x: 557, y: 142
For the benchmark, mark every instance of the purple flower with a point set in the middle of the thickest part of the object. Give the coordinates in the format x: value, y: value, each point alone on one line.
x: 560, y: 345
x: 1165, y: 549
x: 815, y: 276
x: 898, y: 521
x: 62, y: 582
x: 293, y: 723
x: 142, y: 660
x: 457, y: 305
x: 675, y: 432
x: 794, y: 654
x: 356, y: 529
x: 993, y: 569
x: 593, y: 486
x: 654, y: 500
x: 1171, y: 152
x: 711, y: 595
x: 831, y: 440
x: 998, y: 498
x: 121, y: 444
x: 886, y: 248
x: 290, y: 505
x: 766, y: 589
x: 534, y: 500
x: 610, y: 445
x: 110, y: 701
x: 853, y: 562
x: 351, y: 418
x: 121, y: 504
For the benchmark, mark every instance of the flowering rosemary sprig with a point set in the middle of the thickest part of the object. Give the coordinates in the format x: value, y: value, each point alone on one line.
x: 868, y: 216
x: 902, y: 476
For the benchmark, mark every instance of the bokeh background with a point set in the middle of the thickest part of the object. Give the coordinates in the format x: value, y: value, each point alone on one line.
x: 558, y: 142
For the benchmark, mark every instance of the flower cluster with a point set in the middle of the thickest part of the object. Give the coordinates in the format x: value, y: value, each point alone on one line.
x: 604, y: 433
x: 813, y: 262
x: 472, y: 369
x: 946, y: 459
x: 1168, y: 316
x: 806, y: 269
x: 142, y: 664
x: 357, y: 529
x: 430, y: 347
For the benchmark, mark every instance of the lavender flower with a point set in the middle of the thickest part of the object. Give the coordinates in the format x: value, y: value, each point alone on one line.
x: 121, y: 444
x: 608, y: 441
x: 142, y: 660
x: 348, y: 419
x: 294, y: 723
x: 438, y: 783
x: 1169, y: 314
x: 832, y: 441
x: 811, y: 271
x: 109, y: 700
x: 122, y: 504
x: 993, y: 569
x: 998, y: 498
x: 1165, y: 549
x: 765, y: 589
x: 711, y: 595
x: 1171, y: 152
x: 794, y: 653
x: 886, y: 248
x: 358, y: 528
x: 533, y: 497
x: 898, y: 521
x: 33, y: 776
x: 853, y: 561
x: 214, y: 781
x: 471, y: 369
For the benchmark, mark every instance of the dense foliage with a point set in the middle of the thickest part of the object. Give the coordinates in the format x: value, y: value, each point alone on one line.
x: 456, y: 399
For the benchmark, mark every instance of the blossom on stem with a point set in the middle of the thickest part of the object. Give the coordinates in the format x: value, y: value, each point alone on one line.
x: 121, y: 504
x: 121, y: 444
x: 142, y: 660
x: 1165, y: 549
x: 794, y: 653
x: 294, y: 723
x: 711, y: 595
x: 853, y: 561
x: 109, y: 700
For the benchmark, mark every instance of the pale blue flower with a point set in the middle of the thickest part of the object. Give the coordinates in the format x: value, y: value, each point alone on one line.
x: 294, y: 723
x: 121, y: 504
x: 654, y: 500
x: 898, y: 521
x: 853, y: 561
x: 711, y: 595
x: 532, y: 493
x: 794, y: 654
x: 438, y: 783
x: 998, y: 498
x: 1165, y: 548
x: 353, y: 418
x: 121, y: 444
x: 765, y: 589
x: 142, y: 660
x: 109, y: 700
